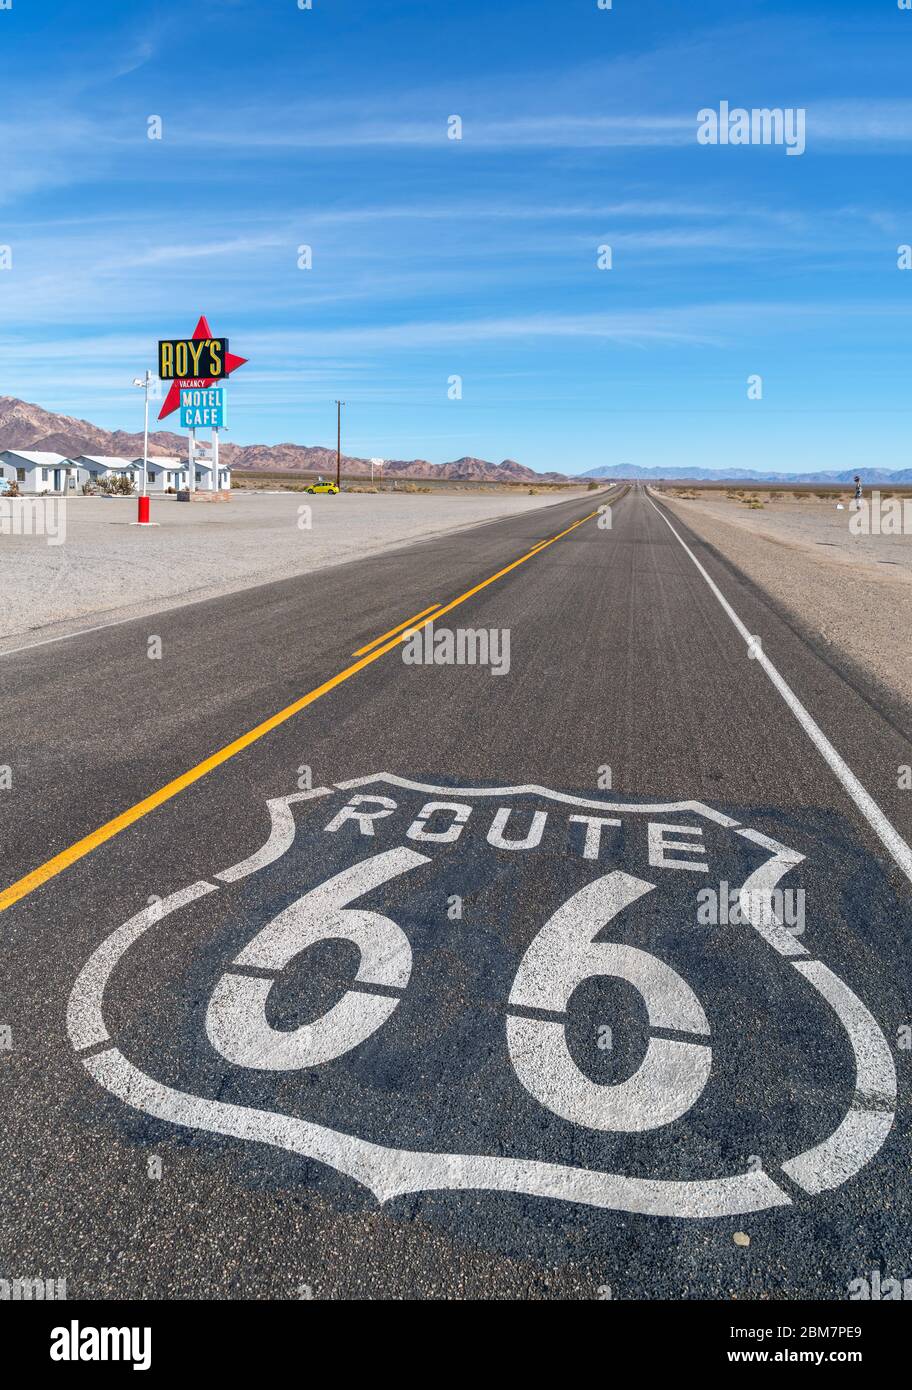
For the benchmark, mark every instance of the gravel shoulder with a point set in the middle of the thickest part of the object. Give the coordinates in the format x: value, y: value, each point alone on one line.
x: 99, y: 568
x: 852, y: 592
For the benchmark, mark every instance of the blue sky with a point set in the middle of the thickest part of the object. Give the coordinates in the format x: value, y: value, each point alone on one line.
x: 478, y: 258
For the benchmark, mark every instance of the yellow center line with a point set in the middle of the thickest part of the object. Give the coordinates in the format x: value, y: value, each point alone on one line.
x: 56, y: 865
x: 393, y: 630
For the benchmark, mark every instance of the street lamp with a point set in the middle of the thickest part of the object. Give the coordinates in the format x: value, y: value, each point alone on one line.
x: 145, y: 382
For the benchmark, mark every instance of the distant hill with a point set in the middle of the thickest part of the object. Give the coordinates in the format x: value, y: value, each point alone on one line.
x: 26, y: 426
x: 718, y: 475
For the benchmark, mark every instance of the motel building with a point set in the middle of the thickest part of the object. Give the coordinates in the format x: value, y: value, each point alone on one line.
x: 164, y: 473
x: 205, y: 474
x: 53, y: 473
x: 90, y: 468
x: 38, y: 472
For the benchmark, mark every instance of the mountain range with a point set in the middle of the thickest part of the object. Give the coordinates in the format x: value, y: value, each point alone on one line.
x: 717, y: 475
x: 27, y: 426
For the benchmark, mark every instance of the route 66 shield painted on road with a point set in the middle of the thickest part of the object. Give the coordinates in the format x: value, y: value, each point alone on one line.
x: 413, y: 984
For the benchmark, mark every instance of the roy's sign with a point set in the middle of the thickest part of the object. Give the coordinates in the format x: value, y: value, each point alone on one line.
x: 196, y: 362
x: 180, y: 358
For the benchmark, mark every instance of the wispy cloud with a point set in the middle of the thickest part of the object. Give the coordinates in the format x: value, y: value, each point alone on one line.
x: 434, y: 256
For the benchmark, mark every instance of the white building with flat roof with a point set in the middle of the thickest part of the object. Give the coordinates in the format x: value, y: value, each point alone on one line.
x: 205, y: 474
x: 38, y: 472
x: 91, y: 467
x: 164, y: 473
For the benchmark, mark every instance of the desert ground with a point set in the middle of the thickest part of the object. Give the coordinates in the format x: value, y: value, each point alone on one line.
x: 106, y: 569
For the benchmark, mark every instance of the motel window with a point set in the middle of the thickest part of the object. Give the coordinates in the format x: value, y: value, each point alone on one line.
x: 20, y: 475
x: 152, y: 477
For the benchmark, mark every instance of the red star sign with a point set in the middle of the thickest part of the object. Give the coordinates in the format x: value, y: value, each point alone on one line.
x: 172, y: 400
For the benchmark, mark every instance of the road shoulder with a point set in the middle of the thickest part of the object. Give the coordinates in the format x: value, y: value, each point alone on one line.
x: 852, y: 611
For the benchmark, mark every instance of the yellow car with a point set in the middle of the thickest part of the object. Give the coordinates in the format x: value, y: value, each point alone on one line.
x: 323, y: 487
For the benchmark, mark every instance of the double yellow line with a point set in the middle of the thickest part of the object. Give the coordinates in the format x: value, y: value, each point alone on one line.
x: 400, y: 627
x: 372, y: 652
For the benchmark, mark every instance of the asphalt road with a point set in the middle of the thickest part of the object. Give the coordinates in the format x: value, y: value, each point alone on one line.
x: 521, y: 1045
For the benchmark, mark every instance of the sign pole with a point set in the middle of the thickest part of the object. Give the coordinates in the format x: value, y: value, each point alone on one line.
x: 147, y: 383
x: 215, y: 460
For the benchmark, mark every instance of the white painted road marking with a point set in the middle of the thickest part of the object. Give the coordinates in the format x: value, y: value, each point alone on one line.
x: 889, y: 837
x: 85, y: 1019
x: 532, y: 789
x: 864, y: 1129
x: 281, y: 835
x: 236, y: 1018
x: 389, y: 1171
x: 672, y: 1074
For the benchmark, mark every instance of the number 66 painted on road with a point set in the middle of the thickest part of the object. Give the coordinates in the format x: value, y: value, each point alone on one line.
x: 669, y: 1080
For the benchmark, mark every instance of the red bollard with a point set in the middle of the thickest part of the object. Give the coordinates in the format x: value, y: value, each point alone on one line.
x: 144, y: 511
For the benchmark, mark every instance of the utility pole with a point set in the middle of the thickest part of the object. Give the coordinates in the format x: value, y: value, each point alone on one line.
x: 339, y: 405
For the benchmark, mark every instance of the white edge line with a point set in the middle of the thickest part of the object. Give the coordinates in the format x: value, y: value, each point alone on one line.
x: 889, y: 837
x: 80, y: 632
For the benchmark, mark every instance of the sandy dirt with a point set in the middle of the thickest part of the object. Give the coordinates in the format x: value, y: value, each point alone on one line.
x: 854, y: 591
x: 105, y: 569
